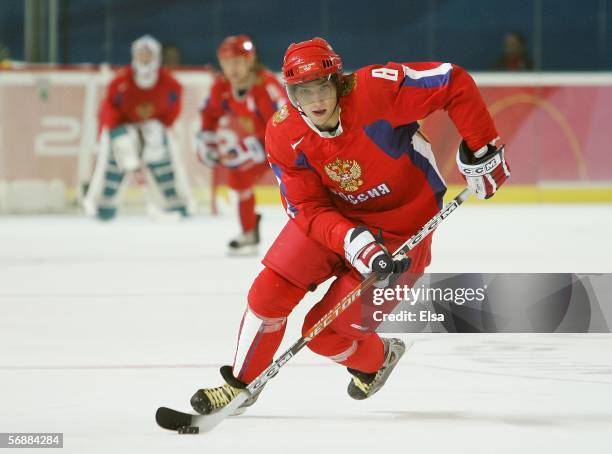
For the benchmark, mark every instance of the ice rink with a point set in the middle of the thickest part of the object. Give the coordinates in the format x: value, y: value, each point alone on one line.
x: 102, y: 323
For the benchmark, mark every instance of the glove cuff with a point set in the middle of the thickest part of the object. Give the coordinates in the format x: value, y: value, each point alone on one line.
x: 355, y: 240
x: 470, y: 166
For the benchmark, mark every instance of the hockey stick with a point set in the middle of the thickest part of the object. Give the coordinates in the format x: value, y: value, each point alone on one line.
x: 189, y: 423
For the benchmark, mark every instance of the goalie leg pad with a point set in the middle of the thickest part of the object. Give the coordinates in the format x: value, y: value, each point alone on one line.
x: 125, y: 147
x: 163, y: 173
x: 155, y: 141
x: 101, y: 198
x: 107, y: 204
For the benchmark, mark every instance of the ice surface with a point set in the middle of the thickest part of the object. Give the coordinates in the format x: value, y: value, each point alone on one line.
x: 102, y: 323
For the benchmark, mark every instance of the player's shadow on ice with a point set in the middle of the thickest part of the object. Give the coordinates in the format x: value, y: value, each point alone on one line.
x: 459, y: 416
x: 455, y: 416
x: 516, y: 420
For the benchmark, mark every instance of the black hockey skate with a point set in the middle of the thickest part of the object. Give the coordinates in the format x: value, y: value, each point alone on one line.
x: 364, y: 385
x: 210, y: 400
x: 246, y: 243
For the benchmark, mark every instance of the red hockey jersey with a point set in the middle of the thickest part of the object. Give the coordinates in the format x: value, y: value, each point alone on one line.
x: 125, y: 102
x: 375, y: 170
x: 252, y: 110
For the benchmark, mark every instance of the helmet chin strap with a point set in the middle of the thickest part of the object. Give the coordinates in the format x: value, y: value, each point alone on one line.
x: 326, y: 134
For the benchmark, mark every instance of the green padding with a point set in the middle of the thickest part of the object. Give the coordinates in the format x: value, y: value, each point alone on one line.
x: 155, y: 165
x: 106, y: 214
x: 181, y: 209
x: 165, y: 178
x: 109, y: 192
x: 118, y: 131
x: 170, y: 192
x: 112, y: 176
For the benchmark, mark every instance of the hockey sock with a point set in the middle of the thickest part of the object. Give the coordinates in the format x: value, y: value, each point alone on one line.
x: 246, y: 211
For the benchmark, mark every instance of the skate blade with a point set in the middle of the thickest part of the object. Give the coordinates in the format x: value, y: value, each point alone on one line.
x: 239, y: 411
x: 244, y: 251
x: 407, y: 346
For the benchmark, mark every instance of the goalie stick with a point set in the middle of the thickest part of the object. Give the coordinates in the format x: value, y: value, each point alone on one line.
x: 170, y: 419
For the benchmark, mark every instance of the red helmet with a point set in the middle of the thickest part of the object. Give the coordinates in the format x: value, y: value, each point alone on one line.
x: 310, y: 60
x: 236, y: 46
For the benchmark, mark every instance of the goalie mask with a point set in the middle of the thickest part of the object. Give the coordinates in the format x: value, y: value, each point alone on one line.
x: 146, y: 60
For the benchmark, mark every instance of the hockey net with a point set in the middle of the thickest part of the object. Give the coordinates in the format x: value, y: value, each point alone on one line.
x: 49, y: 138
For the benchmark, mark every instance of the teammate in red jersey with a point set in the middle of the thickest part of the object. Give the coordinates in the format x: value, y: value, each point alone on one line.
x: 234, y: 118
x: 141, y: 103
x: 357, y: 179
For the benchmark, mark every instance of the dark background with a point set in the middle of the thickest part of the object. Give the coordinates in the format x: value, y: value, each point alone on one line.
x: 561, y: 34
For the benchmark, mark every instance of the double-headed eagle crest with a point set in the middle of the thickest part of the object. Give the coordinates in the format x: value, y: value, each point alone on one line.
x: 346, y: 173
x: 145, y: 110
x: 280, y: 115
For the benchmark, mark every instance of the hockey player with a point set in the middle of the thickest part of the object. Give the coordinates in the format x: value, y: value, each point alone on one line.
x: 357, y: 179
x: 141, y: 103
x: 234, y: 117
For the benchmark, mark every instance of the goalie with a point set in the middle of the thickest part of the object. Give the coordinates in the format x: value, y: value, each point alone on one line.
x: 141, y: 103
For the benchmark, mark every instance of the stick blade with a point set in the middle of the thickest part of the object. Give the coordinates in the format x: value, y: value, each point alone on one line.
x: 170, y: 419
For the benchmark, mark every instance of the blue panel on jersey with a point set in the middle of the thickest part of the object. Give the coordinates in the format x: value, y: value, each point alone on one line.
x: 396, y: 142
x: 118, y: 99
x: 439, y: 80
x: 225, y: 105
x: 302, y: 161
x: 172, y: 97
x: 278, y: 173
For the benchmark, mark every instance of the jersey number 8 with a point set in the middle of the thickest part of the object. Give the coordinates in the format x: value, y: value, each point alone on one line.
x: 385, y: 73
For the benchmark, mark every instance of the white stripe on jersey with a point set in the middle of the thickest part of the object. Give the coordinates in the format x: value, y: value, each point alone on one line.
x: 422, y: 147
x: 414, y: 74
